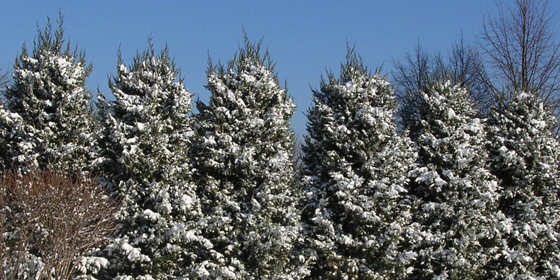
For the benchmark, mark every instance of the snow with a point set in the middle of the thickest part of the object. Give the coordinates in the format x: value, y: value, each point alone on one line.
x: 243, y: 157
x: 457, y: 193
x: 213, y: 195
x: 151, y: 215
x: 92, y: 264
x: 185, y: 202
x: 146, y: 163
x: 355, y: 167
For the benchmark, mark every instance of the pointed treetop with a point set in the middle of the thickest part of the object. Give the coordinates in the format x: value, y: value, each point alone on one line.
x: 49, y: 41
x: 248, y: 56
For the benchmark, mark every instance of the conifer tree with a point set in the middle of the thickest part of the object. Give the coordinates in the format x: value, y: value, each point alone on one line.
x: 355, y: 167
x: 145, y: 139
x: 525, y: 156
x: 244, y: 170
x: 459, y: 194
x: 46, y: 119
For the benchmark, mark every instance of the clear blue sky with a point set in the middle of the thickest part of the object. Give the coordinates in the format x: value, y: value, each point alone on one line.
x: 305, y: 38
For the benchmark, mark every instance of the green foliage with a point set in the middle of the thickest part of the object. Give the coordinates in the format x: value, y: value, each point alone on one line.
x: 525, y: 157
x: 458, y: 194
x: 216, y: 195
x: 244, y: 170
x: 145, y: 136
x: 46, y: 116
x: 355, y: 169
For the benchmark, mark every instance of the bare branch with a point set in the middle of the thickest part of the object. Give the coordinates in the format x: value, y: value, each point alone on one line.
x: 420, y: 71
x: 52, y: 218
x: 520, y: 52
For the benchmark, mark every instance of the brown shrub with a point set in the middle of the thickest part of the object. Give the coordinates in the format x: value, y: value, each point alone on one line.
x: 49, y: 221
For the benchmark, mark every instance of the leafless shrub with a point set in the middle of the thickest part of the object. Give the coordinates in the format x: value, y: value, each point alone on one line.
x: 48, y: 222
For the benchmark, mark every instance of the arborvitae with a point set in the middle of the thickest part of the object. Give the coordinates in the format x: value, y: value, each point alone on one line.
x: 244, y: 170
x: 459, y: 194
x: 145, y: 140
x: 46, y: 119
x: 525, y: 156
x: 355, y: 165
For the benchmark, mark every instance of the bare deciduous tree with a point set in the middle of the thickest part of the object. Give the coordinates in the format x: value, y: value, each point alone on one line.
x: 420, y: 70
x: 49, y: 222
x: 520, y: 51
x: 462, y: 69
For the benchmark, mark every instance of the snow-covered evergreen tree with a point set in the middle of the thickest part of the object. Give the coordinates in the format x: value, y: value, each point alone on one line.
x: 459, y: 194
x: 525, y: 156
x: 46, y: 119
x: 355, y: 169
x: 244, y: 170
x: 145, y: 141
x: 10, y: 125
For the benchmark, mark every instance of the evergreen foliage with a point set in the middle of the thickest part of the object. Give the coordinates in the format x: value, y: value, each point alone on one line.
x: 46, y: 120
x: 223, y: 193
x: 525, y: 157
x: 146, y: 134
x: 244, y: 167
x: 459, y: 194
x: 355, y: 169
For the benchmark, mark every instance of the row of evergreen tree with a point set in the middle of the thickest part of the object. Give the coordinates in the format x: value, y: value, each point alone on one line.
x: 218, y: 194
